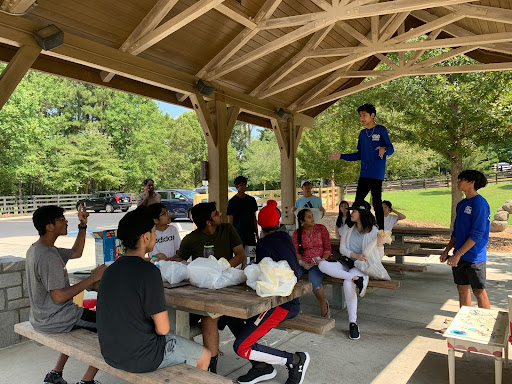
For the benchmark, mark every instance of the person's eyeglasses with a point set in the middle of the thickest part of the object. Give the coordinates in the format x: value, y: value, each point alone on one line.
x: 217, y: 213
x: 164, y: 213
x: 62, y: 218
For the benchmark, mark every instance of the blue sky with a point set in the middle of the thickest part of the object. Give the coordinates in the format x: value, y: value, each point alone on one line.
x: 171, y: 109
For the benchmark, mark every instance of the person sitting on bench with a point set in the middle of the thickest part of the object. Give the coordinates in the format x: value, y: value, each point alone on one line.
x: 51, y: 297
x: 278, y: 246
x: 133, y: 323
x: 391, y: 220
x: 353, y: 241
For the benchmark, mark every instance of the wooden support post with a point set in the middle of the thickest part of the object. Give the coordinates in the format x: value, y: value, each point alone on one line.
x: 217, y: 121
x: 15, y: 70
x: 288, y: 137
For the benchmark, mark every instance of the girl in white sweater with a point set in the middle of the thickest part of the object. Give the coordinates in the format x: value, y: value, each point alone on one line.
x: 353, y: 241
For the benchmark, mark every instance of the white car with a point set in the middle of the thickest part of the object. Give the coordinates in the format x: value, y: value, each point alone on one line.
x: 502, y: 167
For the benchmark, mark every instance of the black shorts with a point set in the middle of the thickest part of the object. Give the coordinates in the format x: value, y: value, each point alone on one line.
x: 87, y: 321
x: 466, y: 273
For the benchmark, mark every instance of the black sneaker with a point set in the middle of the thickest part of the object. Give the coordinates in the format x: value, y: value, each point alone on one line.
x: 53, y: 377
x: 354, y: 332
x: 361, y: 284
x: 88, y: 382
x: 260, y: 372
x: 213, y: 364
x: 297, y: 372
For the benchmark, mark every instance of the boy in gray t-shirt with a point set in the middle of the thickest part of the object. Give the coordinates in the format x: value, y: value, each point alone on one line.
x: 51, y: 297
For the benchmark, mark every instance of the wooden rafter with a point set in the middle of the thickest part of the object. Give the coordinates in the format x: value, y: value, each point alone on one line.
x: 234, y: 14
x: 357, y: 11
x: 456, y: 31
x: 241, y: 39
x: 172, y: 25
x: 498, y: 15
x: 15, y: 70
x: 149, y: 23
x: 317, y: 21
x: 294, y: 62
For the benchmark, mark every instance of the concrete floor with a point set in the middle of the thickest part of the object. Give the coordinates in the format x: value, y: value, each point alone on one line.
x: 398, y: 344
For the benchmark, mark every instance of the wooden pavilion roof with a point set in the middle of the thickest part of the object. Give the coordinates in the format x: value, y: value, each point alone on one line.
x: 261, y: 55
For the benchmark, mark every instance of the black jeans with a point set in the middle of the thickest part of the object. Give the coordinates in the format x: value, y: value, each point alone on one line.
x: 365, y: 185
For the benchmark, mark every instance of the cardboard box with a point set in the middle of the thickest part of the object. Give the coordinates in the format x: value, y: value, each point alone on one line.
x: 108, y: 247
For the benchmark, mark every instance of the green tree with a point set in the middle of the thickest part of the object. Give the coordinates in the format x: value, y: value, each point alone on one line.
x: 453, y: 114
x: 262, y: 163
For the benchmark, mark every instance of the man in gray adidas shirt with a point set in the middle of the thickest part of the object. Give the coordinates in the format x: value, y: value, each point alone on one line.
x: 51, y: 297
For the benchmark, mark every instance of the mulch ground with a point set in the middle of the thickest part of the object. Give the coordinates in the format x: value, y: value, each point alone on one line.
x: 498, y: 242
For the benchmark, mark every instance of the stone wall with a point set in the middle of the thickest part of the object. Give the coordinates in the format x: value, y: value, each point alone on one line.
x: 14, y: 303
x: 500, y: 220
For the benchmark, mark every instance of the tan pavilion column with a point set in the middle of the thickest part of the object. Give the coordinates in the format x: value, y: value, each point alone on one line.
x: 15, y: 70
x: 288, y: 136
x: 217, y: 121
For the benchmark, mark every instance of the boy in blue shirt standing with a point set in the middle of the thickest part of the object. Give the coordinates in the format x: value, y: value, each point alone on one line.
x: 469, y: 240
x: 373, y: 146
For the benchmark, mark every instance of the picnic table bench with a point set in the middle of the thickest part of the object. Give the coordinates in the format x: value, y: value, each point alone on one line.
x: 397, y: 250
x: 337, y: 300
x: 83, y: 346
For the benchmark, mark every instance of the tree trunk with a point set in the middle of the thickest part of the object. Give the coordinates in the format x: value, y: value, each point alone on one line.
x: 456, y: 169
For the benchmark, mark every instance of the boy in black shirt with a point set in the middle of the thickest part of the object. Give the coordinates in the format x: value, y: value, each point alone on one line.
x: 133, y: 323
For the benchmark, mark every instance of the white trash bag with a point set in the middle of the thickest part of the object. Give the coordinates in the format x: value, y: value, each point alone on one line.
x: 213, y: 274
x: 270, y: 278
x: 172, y: 271
x: 373, y: 266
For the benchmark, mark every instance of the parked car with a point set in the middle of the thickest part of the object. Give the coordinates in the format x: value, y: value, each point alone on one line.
x: 178, y: 202
x: 106, y: 201
x: 502, y: 167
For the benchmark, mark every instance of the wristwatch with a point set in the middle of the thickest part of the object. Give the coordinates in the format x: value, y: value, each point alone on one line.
x: 82, y: 226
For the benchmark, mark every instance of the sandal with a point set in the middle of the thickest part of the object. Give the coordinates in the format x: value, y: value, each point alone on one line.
x: 327, y: 314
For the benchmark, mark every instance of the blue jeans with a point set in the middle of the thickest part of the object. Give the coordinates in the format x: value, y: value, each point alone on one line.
x: 315, y: 277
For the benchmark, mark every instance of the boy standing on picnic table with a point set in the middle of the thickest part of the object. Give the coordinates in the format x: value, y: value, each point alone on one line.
x: 469, y: 240
x: 51, y: 297
x: 373, y: 146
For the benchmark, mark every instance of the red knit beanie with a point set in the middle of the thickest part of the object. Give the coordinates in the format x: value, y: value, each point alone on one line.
x: 269, y: 215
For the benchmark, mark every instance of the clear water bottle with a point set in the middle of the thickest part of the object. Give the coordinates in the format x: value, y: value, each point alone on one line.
x: 209, y: 250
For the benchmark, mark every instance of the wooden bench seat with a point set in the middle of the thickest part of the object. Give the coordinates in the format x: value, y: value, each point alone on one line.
x: 427, y: 252
x: 431, y: 245
x: 83, y: 345
x: 309, y: 323
x: 405, y: 267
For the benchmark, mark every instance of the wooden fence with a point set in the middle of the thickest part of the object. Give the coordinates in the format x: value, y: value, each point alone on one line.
x: 330, y: 195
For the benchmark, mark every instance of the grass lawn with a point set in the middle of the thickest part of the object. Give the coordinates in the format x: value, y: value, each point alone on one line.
x: 433, y: 205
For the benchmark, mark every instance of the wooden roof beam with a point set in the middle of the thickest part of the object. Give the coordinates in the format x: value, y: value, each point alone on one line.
x: 148, y: 23
x: 240, y: 40
x: 169, y: 27
x: 236, y: 15
x: 15, y: 70
x: 294, y: 62
x: 326, y: 18
x: 357, y: 11
x: 432, y: 36
x: 456, y: 31
x: 497, y: 15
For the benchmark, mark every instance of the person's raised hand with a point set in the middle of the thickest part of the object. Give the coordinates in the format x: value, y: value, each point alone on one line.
x: 334, y: 156
x: 382, y: 151
x: 82, y: 215
x: 98, y: 272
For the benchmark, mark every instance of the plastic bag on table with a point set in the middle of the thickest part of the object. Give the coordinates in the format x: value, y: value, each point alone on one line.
x: 373, y: 266
x: 213, y: 274
x: 270, y: 278
x: 173, y: 271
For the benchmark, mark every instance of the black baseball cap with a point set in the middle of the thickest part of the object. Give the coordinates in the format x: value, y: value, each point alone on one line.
x: 361, y: 205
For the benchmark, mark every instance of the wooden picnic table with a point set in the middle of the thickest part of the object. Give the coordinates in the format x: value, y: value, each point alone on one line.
x: 400, y: 232
x: 238, y: 301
